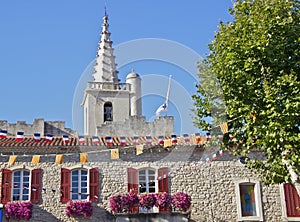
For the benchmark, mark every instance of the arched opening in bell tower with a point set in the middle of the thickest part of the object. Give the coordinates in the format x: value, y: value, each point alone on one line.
x: 108, y: 114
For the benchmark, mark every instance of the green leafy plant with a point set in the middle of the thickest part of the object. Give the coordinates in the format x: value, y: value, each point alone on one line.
x: 255, y: 60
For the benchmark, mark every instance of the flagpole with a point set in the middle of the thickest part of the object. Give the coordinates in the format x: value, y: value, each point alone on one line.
x: 168, y: 93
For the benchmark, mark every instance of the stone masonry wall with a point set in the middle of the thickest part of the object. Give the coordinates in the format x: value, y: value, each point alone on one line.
x: 211, y: 186
x: 137, y: 126
x: 56, y: 128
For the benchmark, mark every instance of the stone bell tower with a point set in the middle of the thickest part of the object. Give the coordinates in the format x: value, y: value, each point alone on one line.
x: 107, y: 100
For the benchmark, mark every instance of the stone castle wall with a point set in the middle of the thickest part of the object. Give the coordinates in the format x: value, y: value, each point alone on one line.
x: 41, y: 126
x: 211, y: 186
x: 137, y: 126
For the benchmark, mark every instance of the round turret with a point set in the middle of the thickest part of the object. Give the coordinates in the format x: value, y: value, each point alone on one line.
x: 132, y: 74
x: 135, y: 93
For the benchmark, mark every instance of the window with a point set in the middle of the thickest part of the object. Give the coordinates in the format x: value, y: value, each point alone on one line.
x: 148, y: 180
x: 249, y: 200
x: 291, y: 203
x: 79, y: 188
x: 108, y: 114
x: 21, y: 185
x: 79, y: 184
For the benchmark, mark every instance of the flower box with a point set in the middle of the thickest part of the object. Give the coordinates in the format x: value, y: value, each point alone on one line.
x: 18, y: 210
x: 79, y: 208
x: 147, y: 203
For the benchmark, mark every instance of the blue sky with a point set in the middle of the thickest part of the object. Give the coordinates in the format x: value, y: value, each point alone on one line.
x: 46, y: 45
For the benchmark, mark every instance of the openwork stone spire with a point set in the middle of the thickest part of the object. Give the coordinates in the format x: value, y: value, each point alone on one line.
x: 105, y: 66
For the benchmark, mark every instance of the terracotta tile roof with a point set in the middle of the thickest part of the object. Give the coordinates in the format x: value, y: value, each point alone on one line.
x: 29, y: 145
x: 30, y: 142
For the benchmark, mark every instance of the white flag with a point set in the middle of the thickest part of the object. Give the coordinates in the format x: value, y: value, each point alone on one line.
x: 162, y: 108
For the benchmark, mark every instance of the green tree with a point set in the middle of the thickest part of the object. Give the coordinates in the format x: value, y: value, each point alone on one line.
x: 209, y: 101
x: 256, y: 60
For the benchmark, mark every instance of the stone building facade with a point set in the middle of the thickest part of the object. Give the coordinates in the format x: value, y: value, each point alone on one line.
x: 215, y: 187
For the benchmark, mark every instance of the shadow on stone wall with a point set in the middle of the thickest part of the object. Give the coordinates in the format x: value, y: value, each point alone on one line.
x: 99, y: 215
x: 42, y: 215
x: 189, y: 153
x: 57, y: 128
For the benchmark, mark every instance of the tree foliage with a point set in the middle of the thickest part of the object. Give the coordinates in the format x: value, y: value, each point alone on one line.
x: 256, y: 60
x: 209, y: 101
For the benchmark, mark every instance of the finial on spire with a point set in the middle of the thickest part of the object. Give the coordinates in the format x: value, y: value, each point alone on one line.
x: 105, y: 12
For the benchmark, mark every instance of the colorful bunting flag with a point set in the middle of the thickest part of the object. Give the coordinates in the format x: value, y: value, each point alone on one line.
x: 81, y: 140
x: 20, y: 136
x: 174, y: 139
x: 35, y: 159
x: 66, y: 139
x: 123, y: 141
x: 37, y: 137
x: 139, y: 149
x: 109, y: 141
x: 220, y: 137
x: 208, y: 136
x: 230, y: 137
x: 221, y: 152
x: 214, y: 156
x: 59, y: 159
x: 167, y: 143
x: 186, y: 138
x: 114, y: 154
x: 207, y: 160
x: 83, y: 158
x: 161, y: 140
x: 203, y: 140
x: 3, y: 134
x: 95, y: 140
x: 224, y: 128
x: 197, y: 138
x: 148, y: 140
x: 12, y: 160
x: 135, y: 140
x: 49, y: 138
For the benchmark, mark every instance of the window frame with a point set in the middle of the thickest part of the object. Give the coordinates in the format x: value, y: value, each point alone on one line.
x: 161, y: 179
x: 147, y: 179
x: 92, y: 186
x: 153, y: 209
x: 79, y: 183
x: 35, y: 181
x: 21, y: 186
x: 258, y: 200
x: 283, y: 206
